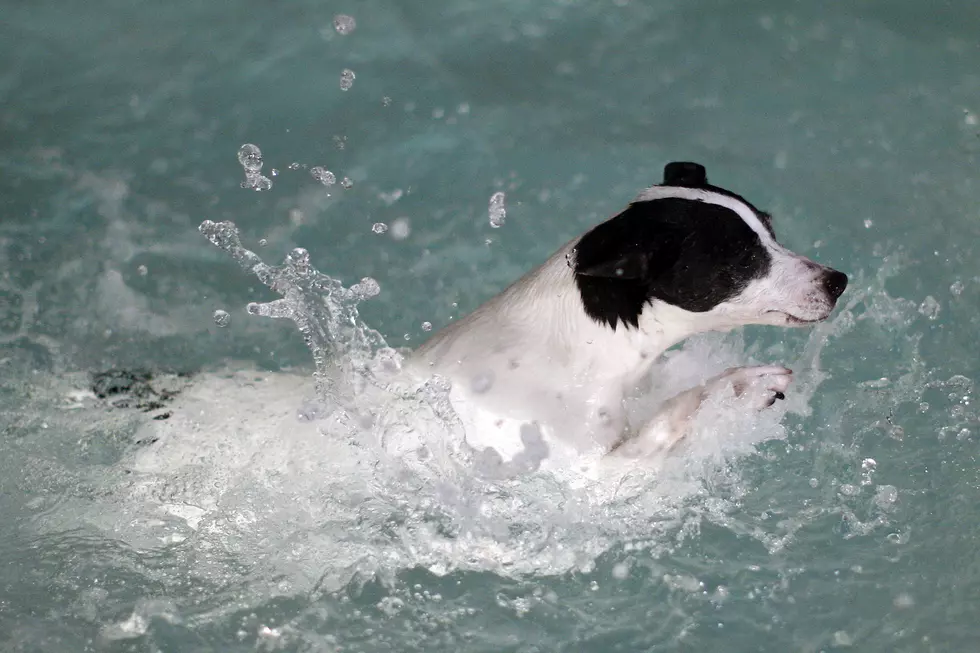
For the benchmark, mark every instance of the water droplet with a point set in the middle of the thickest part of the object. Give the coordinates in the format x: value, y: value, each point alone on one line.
x: 366, y: 288
x: 868, y: 224
x: 903, y: 601
x: 498, y: 212
x: 346, y: 79
x: 930, y: 307
x: 886, y: 495
x: 221, y: 318
x: 400, y: 228
x: 841, y: 638
x: 263, y: 242
x: 344, y: 24
x: 427, y: 326
x: 256, y: 182
x: 379, y: 227
x: 142, y: 270
x: 294, y: 166
x: 250, y: 156
x: 956, y: 288
x: 814, y: 482
x: 323, y: 176
x: 346, y: 182
x: 274, y: 172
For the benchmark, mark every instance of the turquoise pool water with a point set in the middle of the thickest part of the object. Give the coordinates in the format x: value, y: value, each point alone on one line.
x: 852, y: 523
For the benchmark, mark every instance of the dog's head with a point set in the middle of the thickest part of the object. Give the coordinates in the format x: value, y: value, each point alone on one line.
x: 703, y: 250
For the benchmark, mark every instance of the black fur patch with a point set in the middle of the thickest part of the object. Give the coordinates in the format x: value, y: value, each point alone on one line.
x: 691, y: 254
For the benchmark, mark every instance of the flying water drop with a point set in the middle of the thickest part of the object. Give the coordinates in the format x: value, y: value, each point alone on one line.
x: 346, y: 79
x: 250, y: 156
x: 344, y: 24
x: 323, y: 176
x: 222, y: 318
x: 498, y: 212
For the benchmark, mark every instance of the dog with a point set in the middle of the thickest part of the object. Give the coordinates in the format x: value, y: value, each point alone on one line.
x: 541, y: 373
x: 551, y: 360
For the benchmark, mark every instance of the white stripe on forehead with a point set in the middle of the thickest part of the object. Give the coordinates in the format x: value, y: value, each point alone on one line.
x: 742, y: 209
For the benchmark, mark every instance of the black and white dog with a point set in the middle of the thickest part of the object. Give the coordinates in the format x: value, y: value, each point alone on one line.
x: 562, y: 348
x: 543, y: 370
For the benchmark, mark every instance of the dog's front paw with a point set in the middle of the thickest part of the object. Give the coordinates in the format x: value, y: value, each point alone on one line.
x: 761, y: 386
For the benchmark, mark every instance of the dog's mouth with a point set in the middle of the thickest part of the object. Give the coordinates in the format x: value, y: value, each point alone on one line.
x: 792, y: 320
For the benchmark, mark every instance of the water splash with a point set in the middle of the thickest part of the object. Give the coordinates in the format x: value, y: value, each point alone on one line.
x: 325, y: 312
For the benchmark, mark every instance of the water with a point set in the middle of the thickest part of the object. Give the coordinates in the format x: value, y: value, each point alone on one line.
x: 847, y: 520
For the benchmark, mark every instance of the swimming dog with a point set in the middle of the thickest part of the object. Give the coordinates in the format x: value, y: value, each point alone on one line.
x: 543, y: 370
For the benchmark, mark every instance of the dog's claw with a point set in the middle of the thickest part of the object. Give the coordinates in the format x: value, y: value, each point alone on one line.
x: 780, y: 395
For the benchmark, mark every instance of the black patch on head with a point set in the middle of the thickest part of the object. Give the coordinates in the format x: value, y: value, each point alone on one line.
x: 688, y: 253
x: 693, y: 175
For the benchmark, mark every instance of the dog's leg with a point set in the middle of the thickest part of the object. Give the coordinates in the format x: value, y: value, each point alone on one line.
x: 758, y: 387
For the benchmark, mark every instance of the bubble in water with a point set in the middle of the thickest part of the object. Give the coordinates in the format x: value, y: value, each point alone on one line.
x: 274, y: 172
x: 344, y: 24
x: 294, y: 166
x: 930, y: 307
x: 142, y: 270
x: 427, y: 326
x: 956, y: 288
x: 868, y: 224
x: 386, y: 101
x: 346, y: 182
x: 498, y: 212
x: 379, y: 227
x: 323, y: 176
x: 620, y: 571
x: 250, y: 156
x: 400, y: 228
x: 221, y: 318
x: 346, y: 79
x: 263, y: 242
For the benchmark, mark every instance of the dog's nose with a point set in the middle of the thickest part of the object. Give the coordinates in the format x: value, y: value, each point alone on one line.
x: 835, y: 282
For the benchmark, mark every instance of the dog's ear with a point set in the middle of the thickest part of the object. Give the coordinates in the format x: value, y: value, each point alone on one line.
x: 630, y: 265
x: 636, y: 245
x: 686, y: 174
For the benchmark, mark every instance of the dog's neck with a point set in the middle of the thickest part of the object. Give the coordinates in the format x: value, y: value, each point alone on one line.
x: 624, y: 352
x: 543, y: 313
